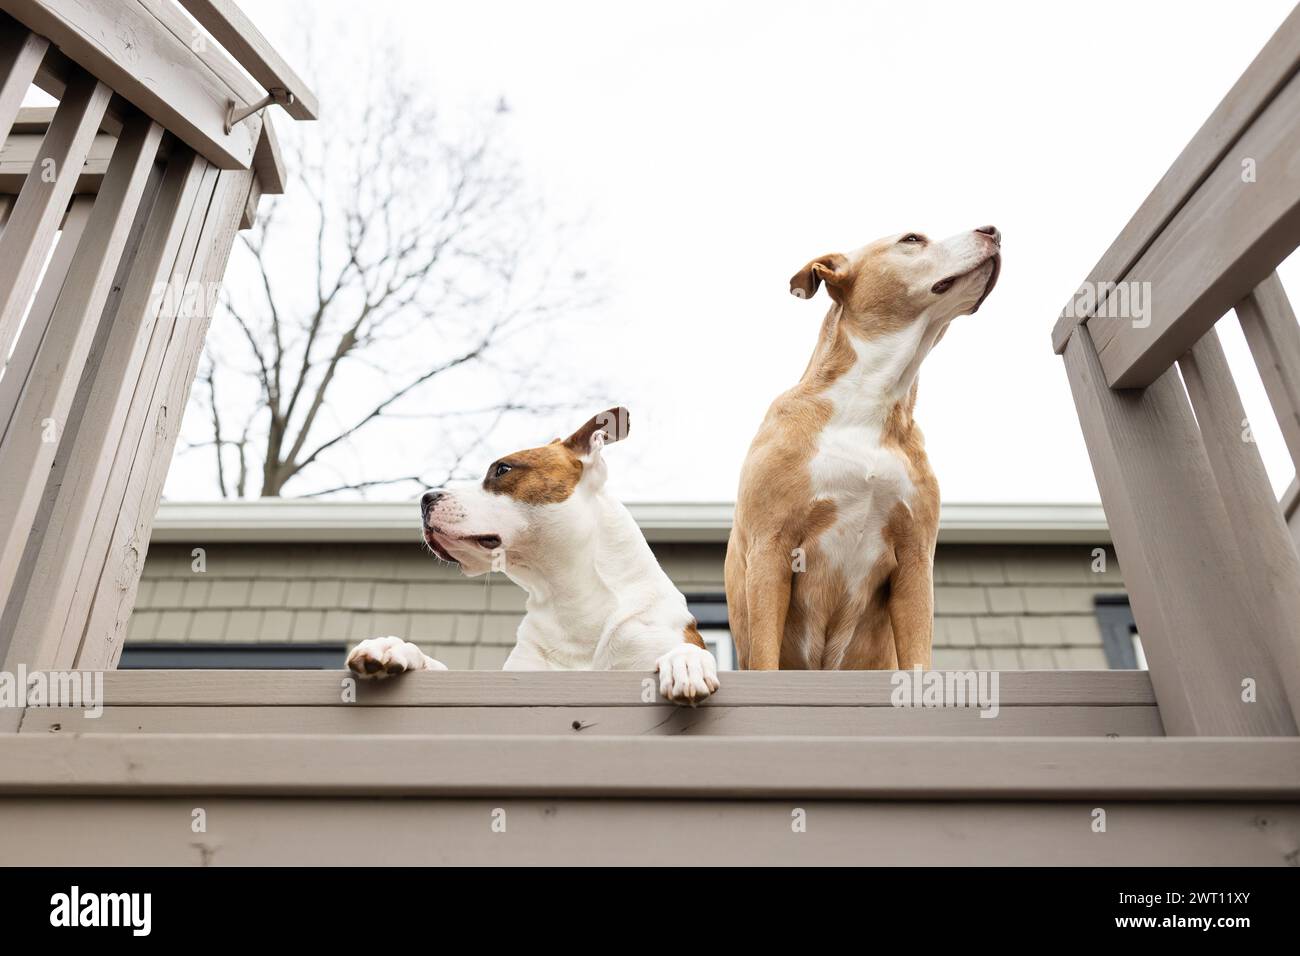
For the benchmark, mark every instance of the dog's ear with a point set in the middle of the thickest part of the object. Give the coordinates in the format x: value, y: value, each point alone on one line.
x: 605, y: 428
x: 831, y: 269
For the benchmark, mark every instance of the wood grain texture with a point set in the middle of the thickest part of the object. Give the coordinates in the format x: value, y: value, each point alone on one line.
x: 101, y: 643
x: 81, y: 481
x: 22, y: 151
x: 1186, y: 581
x: 29, y: 233
x: 591, y: 688
x: 322, y: 832
x: 233, y: 30
x: 921, y: 768
x: 50, y: 384
x: 1269, y: 325
x: 129, y: 406
x: 1269, y: 72
x: 28, y: 344
x: 1269, y: 554
x: 658, y: 719
x: 21, y: 52
x: 1224, y: 241
x: 267, y: 161
x: 126, y: 47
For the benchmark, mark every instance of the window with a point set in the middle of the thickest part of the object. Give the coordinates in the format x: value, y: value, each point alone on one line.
x: 1119, y: 634
x: 710, y: 611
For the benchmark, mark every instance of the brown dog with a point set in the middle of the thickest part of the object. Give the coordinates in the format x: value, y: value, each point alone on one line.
x: 831, y: 559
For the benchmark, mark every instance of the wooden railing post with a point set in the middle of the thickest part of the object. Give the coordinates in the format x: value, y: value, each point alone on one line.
x: 1271, y: 331
x: 1203, y: 638
x: 1271, y: 564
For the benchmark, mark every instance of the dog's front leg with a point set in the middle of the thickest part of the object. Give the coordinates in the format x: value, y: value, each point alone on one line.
x: 767, y: 598
x: 911, y: 608
x: 381, y: 657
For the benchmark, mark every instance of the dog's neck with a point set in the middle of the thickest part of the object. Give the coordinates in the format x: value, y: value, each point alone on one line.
x: 596, y: 562
x: 872, y: 379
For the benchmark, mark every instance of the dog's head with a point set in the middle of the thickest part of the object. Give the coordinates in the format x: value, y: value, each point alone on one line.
x: 896, y: 280
x: 527, y: 502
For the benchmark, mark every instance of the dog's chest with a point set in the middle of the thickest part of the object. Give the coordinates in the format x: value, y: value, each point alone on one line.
x: 864, y: 481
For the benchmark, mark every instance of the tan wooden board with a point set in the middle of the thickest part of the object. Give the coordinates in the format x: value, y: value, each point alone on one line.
x: 660, y: 719
x: 422, y: 832
x: 1225, y: 240
x: 1268, y: 73
x: 1267, y: 550
x: 713, y: 767
x: 80, y: 484
x: 1184, y: 574
x: 1269, y: 325
x: 593, y: 688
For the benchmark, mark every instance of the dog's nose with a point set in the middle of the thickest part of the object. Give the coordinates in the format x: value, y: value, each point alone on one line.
x: 428, y: 500
x: 992, y: 233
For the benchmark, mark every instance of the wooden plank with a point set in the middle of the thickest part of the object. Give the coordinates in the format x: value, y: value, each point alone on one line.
x: 663, y: 720
x: 1267, y: 74
x: 124, y: 389
x: 101, y: 644
x: 126, y: 47
x: 233, y: 30
x: 29, y: 445
x: 592, y: 688
x: 1186, y: 582
x: 27, y: 238
x: 249, y: 216
x: 32, y: 332
x: 1273, y: 568
x: 968, y: 768
x: 268, y: 161
x: 22, y: 150
x: 1290, y: 504
x: 21, y: 52
x: 1224, y: 242
x: 82, y: 832
x: 11, y: 719
x: 81, y: 476
x: 1271, y: 331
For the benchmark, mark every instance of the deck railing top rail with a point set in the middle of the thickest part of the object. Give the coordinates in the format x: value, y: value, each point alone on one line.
x: 1210, y: 565
x: 173, y: 69
x: 1237, y: 174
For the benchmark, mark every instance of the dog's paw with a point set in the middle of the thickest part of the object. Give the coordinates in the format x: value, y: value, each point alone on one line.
x: 384, y: 656
x: 687, y: 674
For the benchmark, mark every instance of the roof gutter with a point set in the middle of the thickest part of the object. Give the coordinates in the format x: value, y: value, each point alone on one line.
x: 267, y: 520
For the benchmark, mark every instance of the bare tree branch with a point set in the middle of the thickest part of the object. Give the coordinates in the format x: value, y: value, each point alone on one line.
x: 406, y: 253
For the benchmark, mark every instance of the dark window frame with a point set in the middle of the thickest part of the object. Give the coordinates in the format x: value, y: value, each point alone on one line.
x: 211, y: 656
x: 1118, y: 629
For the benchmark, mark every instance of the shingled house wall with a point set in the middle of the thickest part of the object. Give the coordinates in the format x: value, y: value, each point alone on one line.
x: 997, y: 606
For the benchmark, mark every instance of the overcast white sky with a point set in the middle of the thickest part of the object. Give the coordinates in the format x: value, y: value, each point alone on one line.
x: 716, y: 147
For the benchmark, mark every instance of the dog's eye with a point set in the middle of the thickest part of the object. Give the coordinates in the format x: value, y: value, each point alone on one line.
x: 500, y: 470
x: 912, y: 237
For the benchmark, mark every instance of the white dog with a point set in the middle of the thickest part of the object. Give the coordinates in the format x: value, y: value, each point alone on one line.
x: 597, y: 598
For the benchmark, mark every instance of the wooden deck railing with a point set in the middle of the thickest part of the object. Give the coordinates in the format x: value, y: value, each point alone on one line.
x: 1209, y: 563
x: 119, y: 208
x: 795, y: 767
